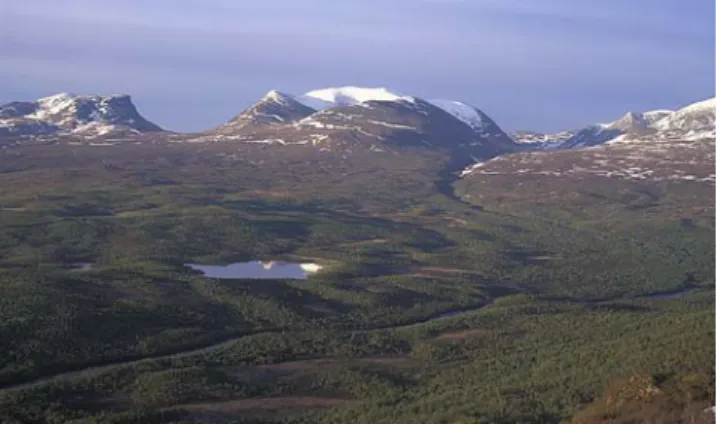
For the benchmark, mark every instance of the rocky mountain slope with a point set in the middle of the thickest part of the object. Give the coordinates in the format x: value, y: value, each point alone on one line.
x: 692, y: 122
x: 474, y: 118
x: 347, y: 119
x: 540, y: 141
x: 64, y: 113
x: 275, y: 108
x: 372, y: 118
x: 653, y: 146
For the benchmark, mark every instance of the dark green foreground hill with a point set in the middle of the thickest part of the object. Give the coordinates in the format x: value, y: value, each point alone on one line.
x: 558, y: 289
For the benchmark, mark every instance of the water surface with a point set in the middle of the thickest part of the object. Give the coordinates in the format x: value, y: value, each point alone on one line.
x: 258, y: 270
x: 81, y: 266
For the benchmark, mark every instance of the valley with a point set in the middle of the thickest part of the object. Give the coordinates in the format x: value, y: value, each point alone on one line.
x: 517, y: 290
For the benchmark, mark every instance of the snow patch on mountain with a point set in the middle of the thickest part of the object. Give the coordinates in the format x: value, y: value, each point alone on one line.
x: 348, y: 96
x: 66, y: 113
x: 694, y: 117
x: 656, y: 115
x: 703, y: 106
x: 660, y: 145
x: 351, y: 95
x: 53, y: 105
x: 531, y: 140
x: 278, y: 97
x: 466, y: 113
x: 274, y: 109
x: 693, y: 122
x: 97, y: 129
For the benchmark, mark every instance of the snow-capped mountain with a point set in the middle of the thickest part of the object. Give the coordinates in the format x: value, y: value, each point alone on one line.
x: 639, y: 123
x: 411, y: 122
x: 533, y: 140
x: 659, y: 145
x: 347, y: 96
x: 478, y: 121
x: 70, y: 114
x: 275, y: 108
x: 374, y: 117
x: 591, y: 135
x: 694, y: 121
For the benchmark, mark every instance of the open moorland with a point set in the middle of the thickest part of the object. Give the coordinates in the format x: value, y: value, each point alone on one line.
x: 484, y: 299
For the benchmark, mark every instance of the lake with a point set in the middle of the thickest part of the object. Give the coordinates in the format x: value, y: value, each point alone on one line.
x: 81, y: 266
x: 258, y: 270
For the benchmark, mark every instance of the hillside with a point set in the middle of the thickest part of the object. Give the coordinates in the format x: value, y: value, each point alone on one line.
x: 524, y: 290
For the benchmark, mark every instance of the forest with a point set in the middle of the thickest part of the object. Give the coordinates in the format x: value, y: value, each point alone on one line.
x: 431, y: 307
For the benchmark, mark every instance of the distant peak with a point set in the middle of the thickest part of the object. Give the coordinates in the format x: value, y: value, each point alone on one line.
x: 631, y: 117
x: 78, y: 114
x: 277, y: 96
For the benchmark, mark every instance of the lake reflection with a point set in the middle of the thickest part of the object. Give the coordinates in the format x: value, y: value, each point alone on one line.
x: 258, y: 270
x: 81, y: 266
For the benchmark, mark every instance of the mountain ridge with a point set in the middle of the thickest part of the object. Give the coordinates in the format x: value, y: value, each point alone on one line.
x: 373, y: 117
x: 275, y: 108
x: 693, y: 120
x: 66, y: 113
x: 661, y: 145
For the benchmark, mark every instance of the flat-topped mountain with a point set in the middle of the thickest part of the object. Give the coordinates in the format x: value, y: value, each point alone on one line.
x: 71, y: 114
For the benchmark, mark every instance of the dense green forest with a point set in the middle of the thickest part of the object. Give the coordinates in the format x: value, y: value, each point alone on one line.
x: 432, y: 306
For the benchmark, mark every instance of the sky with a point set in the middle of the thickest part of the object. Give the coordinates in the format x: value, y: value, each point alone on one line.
x: 190, y: 65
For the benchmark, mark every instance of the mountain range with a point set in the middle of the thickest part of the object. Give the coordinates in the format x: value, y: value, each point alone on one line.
x: 350, y: 117
x: 373, y: 117
x: 660, y: 145
x: 693, y: 122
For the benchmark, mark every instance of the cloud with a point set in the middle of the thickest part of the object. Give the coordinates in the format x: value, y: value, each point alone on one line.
x: 543, y: 65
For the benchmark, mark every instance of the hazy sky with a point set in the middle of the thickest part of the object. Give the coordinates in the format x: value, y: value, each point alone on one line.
x: 532, y: 64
